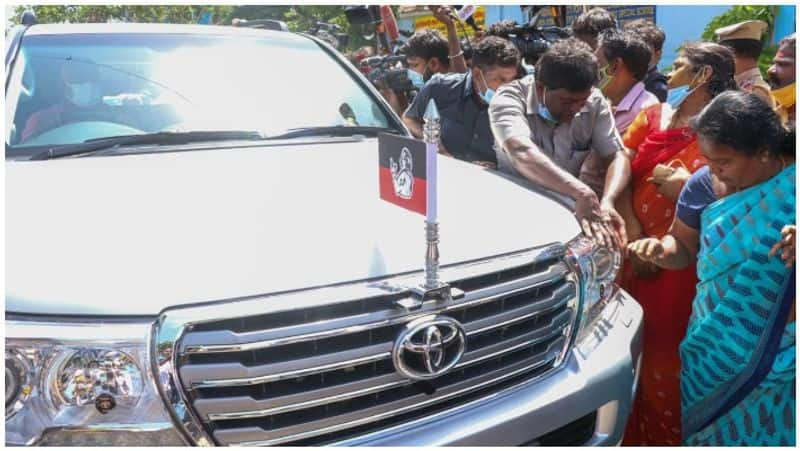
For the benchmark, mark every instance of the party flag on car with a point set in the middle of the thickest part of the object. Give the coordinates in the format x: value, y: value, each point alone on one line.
x: 402, y: 172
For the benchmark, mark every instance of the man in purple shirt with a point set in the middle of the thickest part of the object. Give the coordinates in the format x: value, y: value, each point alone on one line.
x: 623, y: 58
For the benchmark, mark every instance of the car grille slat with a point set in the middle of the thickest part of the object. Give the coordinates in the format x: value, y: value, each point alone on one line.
x: 553, y: 330
x: 254, y: 435
x: 228, y: 341
x: 334, y: 374
x: 237, y: 374
x: 212, y: 342
x: 244, y: 407
x: 487, y: 294
x: 557, y: 299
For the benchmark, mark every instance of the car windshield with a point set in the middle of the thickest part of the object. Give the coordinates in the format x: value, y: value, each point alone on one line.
x: 66, y: 89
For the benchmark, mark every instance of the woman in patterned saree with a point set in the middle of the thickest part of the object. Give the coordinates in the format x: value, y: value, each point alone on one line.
x: 666, y: 154
x: 738, y: 356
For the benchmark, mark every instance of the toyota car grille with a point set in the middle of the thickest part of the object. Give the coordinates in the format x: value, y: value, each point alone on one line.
x: 316, y: 367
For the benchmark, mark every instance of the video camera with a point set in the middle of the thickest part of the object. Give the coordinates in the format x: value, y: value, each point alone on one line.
x: 390, y: 72
x: 530, y: 39
x: 331, y: 33
x: 533, y: 41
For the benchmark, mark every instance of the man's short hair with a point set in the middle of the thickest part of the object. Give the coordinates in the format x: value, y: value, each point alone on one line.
x: 494, y: 51
x: 744, y: 48
x: 568, y: 64
x: 594, y: 21
x: 427, y: 44
x: 633, y: 51
x: 648, y: 31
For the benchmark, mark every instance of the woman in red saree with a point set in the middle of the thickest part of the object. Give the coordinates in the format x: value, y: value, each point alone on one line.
x: 666, y: 154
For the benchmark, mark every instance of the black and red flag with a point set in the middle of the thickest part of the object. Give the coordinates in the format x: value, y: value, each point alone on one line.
x: 402, y: 172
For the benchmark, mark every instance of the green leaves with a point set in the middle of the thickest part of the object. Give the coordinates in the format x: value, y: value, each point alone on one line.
x: 299, y: 18
x: 132, y: 13
x: 741, y: 13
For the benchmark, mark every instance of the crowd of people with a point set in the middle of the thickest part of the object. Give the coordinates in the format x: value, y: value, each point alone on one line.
x: 691, y: 174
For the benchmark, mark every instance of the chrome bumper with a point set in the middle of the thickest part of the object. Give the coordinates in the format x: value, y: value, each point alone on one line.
x: 599, y: 376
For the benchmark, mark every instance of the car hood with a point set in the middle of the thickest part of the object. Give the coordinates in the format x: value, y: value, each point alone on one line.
x: 135, y: 234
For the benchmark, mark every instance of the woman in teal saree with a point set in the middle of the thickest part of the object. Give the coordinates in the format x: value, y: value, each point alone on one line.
x: 736, y: 218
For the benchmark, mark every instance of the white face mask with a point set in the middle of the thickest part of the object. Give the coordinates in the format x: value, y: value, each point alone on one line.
x: 82, y: 94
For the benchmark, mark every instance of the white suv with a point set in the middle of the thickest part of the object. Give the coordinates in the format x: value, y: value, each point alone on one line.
x: 196, y: 254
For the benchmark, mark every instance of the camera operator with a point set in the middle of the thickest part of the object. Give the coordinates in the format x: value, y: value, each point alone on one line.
x: 463, y: 100
x: 589, y: 24
x: 549, y: 122
x: 359, y: 55
x: 531, y: 40
x: 426, y: 54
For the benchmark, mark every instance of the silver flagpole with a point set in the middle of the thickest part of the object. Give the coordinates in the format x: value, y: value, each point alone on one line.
x: 433, y: 287
x: 431, y: 132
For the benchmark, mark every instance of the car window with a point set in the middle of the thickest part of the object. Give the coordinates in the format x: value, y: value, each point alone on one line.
x: 66, y: 89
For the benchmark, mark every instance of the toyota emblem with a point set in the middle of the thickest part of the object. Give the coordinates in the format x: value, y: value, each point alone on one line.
x: 429, y: 347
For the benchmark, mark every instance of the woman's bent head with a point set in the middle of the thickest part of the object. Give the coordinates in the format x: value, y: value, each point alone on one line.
x: 742, y: 139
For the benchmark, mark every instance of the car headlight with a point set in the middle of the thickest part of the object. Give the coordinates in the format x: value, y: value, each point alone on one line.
x: 71, y: 383
x: 598, y: 267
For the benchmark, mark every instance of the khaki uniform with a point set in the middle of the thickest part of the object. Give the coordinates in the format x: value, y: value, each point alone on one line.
x: 752, y: 81
x: 749, y: 80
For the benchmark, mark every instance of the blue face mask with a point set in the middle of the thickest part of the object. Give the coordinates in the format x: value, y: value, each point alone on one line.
x: 416, y: 78
x: 488, y: 93
x: 676, y: 96
x: 544, y: 112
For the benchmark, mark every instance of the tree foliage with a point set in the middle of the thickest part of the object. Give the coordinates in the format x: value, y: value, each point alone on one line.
x: 741, y: 13
x: 299, y: 18
x: 132, y: 13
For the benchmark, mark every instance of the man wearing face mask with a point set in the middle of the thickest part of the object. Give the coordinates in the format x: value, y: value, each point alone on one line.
x: 623, y: 59
x: 547, y: 124
x: 463, y: 102
x: 427, y: 53
x: 781, y: 78
x: 81, y: 95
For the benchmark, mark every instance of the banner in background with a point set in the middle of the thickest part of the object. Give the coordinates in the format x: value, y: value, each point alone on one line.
x: 428, y: 21
x: 623, y: 14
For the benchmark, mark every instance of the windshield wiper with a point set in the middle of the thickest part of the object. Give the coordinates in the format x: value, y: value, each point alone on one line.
x: 160, y: 138
x: 335, y: 130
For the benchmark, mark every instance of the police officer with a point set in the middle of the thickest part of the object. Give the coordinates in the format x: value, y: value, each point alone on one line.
x: 463, y: 101
x: 744, y: 38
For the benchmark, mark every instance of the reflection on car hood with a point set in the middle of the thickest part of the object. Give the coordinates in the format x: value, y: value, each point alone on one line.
x: 134, y: 234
